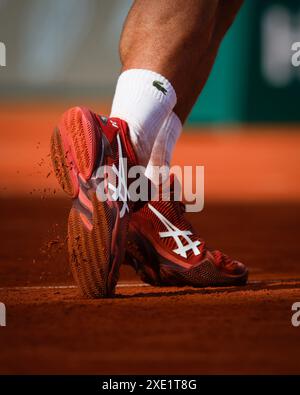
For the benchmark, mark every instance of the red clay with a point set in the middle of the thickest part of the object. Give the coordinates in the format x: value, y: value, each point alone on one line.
x: 242, y: 163
x: 252, y: 212
x: 151, y: 330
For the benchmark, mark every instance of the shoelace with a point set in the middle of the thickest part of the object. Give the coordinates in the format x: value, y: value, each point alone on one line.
x: 221, y: 259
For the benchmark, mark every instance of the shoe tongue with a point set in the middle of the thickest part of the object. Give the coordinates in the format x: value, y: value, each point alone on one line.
x: 114, y: 128
x: 123, y: 132
x: 169, y: 190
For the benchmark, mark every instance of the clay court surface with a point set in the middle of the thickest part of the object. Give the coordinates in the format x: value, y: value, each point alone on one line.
x: 252, y: 211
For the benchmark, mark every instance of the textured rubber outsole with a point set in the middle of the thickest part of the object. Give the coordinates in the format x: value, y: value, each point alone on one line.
x: 78, y: 127
x: 89, y: 251
x: 90, y: 225
x: 61, y: 165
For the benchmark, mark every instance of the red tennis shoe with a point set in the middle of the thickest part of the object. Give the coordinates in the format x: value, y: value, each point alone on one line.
x: 165, y: 250
x: 82, y: 145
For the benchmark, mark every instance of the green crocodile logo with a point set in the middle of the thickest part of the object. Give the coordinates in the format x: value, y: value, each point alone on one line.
x: 159, y: 85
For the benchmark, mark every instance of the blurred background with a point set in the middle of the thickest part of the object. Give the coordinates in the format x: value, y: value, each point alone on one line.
x: 65, y: 52
x: 61, y: 49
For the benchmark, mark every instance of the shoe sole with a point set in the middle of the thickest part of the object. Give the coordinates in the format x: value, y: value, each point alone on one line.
x: 91, y: 224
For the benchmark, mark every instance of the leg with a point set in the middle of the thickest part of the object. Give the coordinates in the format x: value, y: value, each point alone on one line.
x: 225, y: 16
x: 163, y: 39
x: 163, y: 246
x: 170, y: 37
x: 171, y: 129
x: 178, y: 39
x: 162, y: 42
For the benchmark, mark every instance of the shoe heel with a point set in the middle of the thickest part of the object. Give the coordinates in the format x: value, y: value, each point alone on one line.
x: 89, y: 251
x: 63, y: 165
x: 74, y: 148
x: 81, y: 133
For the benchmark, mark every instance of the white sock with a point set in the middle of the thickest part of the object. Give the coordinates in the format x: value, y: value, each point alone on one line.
x: 163, y: 147
x: 143, y: 99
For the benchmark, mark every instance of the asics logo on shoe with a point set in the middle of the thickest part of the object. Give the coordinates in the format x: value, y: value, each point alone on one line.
x: 176, y: 233
x: 159, y: 85
x: 120, y: 193
x: 103, y: 119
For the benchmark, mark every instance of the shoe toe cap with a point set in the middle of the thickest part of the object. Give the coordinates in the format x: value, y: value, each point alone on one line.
x: 237, y: 268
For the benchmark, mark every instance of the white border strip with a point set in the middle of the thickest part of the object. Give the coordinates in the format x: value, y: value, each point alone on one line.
x: 41, y: 287
x: 142, y: 285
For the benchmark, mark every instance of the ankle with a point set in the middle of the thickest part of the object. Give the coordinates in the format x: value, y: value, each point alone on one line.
x: 144, y: 99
